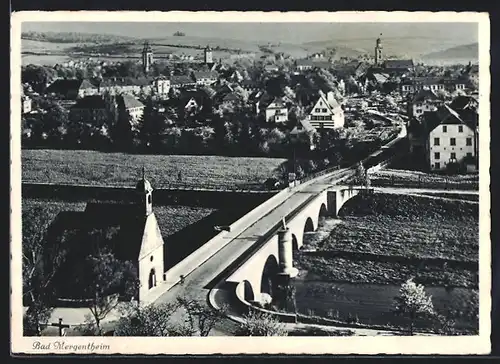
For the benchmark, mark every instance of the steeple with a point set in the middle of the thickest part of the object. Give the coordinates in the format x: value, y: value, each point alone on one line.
x: 144, y: 192
x: 208, y: 55
x: 378, y: 51
x: 147, y: 57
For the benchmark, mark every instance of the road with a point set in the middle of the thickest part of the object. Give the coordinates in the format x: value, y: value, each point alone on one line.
x: 195, y: 285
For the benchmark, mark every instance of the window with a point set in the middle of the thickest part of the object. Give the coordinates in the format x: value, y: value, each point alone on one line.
x: 317, y: 109
x: 445, y: 128
x: 460, y: 128
x: 453, y: 141
x: 436, y: 141
x: 323, y: 110
x: 469, y: 154
x: 453, y: 155
x: 437, y: 165
x: 468, y: 141
x: 436, y: 155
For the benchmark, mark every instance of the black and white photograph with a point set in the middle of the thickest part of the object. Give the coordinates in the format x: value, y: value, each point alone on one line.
x: 202, y: 176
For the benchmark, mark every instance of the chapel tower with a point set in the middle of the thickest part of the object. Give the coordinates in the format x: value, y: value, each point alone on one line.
x: 147, y: 57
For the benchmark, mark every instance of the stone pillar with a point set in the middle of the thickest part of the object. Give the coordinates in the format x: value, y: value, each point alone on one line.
x: 285, y: 290
x: 285, y: 252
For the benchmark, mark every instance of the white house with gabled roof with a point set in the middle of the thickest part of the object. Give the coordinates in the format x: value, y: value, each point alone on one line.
x: 327, y: 112
x: 450, y: 140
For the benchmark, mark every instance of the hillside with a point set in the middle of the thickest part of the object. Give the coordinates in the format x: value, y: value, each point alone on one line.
x: 410, y: 47
x: 468, y: 51
x: 73, y: 37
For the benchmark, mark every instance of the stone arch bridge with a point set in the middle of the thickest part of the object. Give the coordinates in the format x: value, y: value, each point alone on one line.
x: 271, y: 261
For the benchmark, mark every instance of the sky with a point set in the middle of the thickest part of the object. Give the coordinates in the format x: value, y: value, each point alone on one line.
x: 463, y: 33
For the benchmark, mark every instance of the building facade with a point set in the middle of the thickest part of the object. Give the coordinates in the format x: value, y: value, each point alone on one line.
x: 276, y: 111
x: 327, y: 113
x: 451, y: 141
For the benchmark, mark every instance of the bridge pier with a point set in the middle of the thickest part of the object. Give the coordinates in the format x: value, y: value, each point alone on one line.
x: 285, y: 289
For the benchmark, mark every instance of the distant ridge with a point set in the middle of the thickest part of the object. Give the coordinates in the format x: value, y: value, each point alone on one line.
x: 74, y: 37
x: 468, y: 51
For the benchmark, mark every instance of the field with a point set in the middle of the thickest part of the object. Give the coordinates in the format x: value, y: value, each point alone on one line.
x: 396, y: 177
x: 389, y: 238
x: 171, y: 219
x: 354, y: 265
x: 117, y: 169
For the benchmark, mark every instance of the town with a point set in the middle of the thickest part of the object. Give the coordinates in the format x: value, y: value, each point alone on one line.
x: 307, y: 154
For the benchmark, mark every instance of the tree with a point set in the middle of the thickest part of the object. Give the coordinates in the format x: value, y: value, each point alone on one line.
x: 361, y: 176
x: 200, y: 318
x: 41, y: 261
x: 148, y: 320
x: 108, y: 280
x: 37, y: 76
x: 261, y: 324
x: 413, y: 302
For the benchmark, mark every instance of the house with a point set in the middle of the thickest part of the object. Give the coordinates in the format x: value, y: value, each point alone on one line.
x: 415, y: 84
x: 72, y: 89
x: 131, y: 233
x: 270, y: 68
x: 277, y: 111
x: 126, y: 85
x: 134, y: 107
x: 399, y: 65
x: 303, y: 131
x: 90, y: 110
x: 424, y: 101
x: 309, y: 64
x: 471, y: 74
x: 326, y: 113
x: 205, y: 77
x: 249, y: 85
x: 161, y: 86
x: 231, y: 99
x: 26, y: 104
x: 181, y: 81
x: 450, y: 139
x: 467, y: 107
x: 236, y: 76
x: 455, y: 84
x: 193, y: 102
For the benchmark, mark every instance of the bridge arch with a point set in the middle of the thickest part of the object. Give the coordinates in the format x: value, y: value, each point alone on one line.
x: 308, y: 225
x: 323, y: 211
x: 268, y: 279
x: 247, y: 291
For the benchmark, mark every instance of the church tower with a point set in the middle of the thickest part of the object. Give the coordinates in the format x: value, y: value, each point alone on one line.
x: 147, y: 57
x: 378, y: 52
x: 208, y: 55
x: 145, y: 195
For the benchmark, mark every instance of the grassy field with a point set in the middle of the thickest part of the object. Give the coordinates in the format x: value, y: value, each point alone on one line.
x: 117, y: 169
x: 396, y: 177
x: 171, y: 219
x: 390, y: 238
x: 353, y: 266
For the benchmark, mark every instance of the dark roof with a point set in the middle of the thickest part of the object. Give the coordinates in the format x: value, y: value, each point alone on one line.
x: 126, y: 81
x: 278, y: 101
x: 90, y: 102
x: 399, y: 63
x: 205, y: 74
x: 312, y: 63
x: 423, y: 81
x: 129, y: 102
x: 249, y: 84
x: 423, y: 95
x: 181, y: 80
x: 63, y: 86
x: 231, y: 97
x: 464, y: 102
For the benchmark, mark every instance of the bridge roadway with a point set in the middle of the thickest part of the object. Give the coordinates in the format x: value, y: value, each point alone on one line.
x: 198, y: 283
